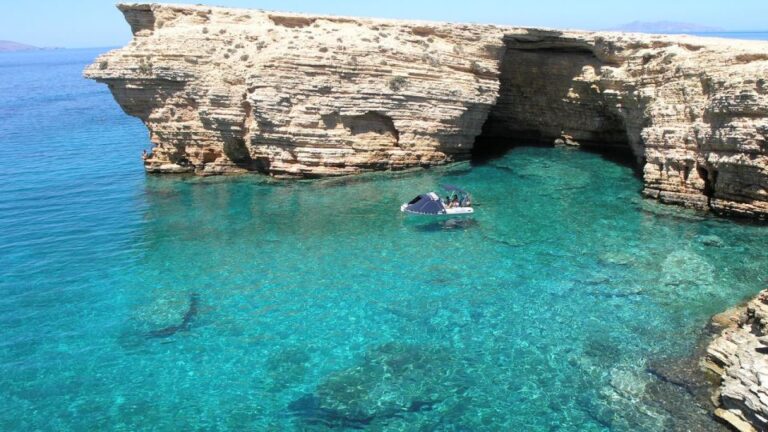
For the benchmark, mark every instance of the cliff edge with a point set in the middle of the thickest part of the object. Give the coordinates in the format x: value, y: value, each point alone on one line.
x: 228, y: 90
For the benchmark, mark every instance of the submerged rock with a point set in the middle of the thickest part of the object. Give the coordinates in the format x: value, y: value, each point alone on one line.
x: 710, y: 240
x: 392, y: 381
x: 633, y: 399
x: 166, y: 311
x: 287, y: 367
x: 618, y: 258
x: 686, y: 274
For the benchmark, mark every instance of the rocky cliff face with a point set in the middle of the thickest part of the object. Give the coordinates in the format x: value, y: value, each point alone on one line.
x: 740, y: 358
x: 237, y: 90
x: 224, y: 90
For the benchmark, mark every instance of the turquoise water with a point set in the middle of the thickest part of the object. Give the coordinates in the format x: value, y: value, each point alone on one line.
x: 130, y: 302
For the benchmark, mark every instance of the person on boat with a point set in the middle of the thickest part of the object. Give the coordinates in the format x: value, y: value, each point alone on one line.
x: 144, y: 154
x: 455, y: 202
x: 448, y: 201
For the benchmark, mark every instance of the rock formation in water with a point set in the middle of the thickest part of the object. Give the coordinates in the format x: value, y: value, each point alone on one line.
x: 740, y: 358
x: 226, y: 90
x: 184, y: 325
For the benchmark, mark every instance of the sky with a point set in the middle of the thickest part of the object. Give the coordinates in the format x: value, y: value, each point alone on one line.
x: 97, y: 23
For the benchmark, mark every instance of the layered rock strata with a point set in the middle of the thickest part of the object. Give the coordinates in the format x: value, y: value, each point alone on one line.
x: 226, y: 90
x: 739, y: 356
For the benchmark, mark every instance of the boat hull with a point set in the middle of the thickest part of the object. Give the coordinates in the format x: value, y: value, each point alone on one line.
x: 456, y: 211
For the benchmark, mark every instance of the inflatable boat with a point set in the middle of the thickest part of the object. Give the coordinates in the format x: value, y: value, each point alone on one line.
x: 457, y: 203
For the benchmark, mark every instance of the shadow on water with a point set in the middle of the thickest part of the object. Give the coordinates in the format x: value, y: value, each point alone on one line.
x: 450, y: 170
x: 136, y: 336
x: 310, y: 410
x: 430, y: 225
x: 619, y: 155
x: 488, y: 150
x: 184, y: 325
x: 425, y: 383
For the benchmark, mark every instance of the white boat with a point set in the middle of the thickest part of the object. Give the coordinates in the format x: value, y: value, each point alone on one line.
x: 458, y: 203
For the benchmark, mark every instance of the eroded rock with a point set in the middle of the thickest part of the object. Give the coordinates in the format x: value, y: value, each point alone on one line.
x: 227, y: 90
x: 740, y: 359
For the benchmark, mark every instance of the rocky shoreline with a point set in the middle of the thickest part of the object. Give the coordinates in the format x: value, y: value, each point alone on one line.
x: 301, y: 96
x: 725, y: 378
x: 738, y: 359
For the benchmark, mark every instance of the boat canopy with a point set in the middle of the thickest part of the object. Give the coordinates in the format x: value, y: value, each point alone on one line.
x: 426, y: 204
x: 463, y: 196
x: 452, y: 188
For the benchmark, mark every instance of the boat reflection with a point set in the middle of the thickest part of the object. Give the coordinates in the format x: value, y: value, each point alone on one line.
x: 452, y: 224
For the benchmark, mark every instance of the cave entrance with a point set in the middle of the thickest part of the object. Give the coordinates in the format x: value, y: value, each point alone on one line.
x: 546, y: 95
x: 710, y: 179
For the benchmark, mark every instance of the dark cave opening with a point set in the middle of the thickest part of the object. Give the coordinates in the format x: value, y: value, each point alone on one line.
x: 710, y: 179
x: 487, y: 149
x: 543, y: 100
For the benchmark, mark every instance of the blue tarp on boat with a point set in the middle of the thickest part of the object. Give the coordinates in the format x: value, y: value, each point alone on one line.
x: 426, y: 204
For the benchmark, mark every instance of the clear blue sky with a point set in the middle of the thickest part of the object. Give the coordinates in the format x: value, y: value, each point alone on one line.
x: 97, y: 23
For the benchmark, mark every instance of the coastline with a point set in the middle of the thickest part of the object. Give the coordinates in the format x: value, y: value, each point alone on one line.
x: 439, y: 93
x: 568, y: 308
x: 737, y: 360
x: 724, y: 376
x: 684, y: 386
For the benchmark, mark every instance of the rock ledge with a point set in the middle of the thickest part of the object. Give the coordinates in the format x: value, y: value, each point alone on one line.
x: 740, y: 358
x: 234, y: 90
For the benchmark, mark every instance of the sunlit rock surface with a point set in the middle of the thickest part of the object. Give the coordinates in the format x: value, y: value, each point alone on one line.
x: 740, y: 357
x: 227, y: 90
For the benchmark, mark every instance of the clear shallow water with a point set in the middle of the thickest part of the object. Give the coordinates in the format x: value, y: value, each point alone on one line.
x: 319, y: 306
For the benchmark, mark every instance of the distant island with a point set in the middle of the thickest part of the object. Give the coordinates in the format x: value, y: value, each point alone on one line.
x: 10, y: 46
x: 665, y: 27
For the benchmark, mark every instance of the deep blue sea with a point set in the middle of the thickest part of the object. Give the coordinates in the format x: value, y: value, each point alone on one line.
x: 130, y: 302
x: 753, y: 35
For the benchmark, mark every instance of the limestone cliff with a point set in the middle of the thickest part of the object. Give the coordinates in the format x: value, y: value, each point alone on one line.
x: 740, y: 358
x: 225, y: 90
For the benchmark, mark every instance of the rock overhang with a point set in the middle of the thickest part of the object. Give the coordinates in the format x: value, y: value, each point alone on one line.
x: 237, y: 90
